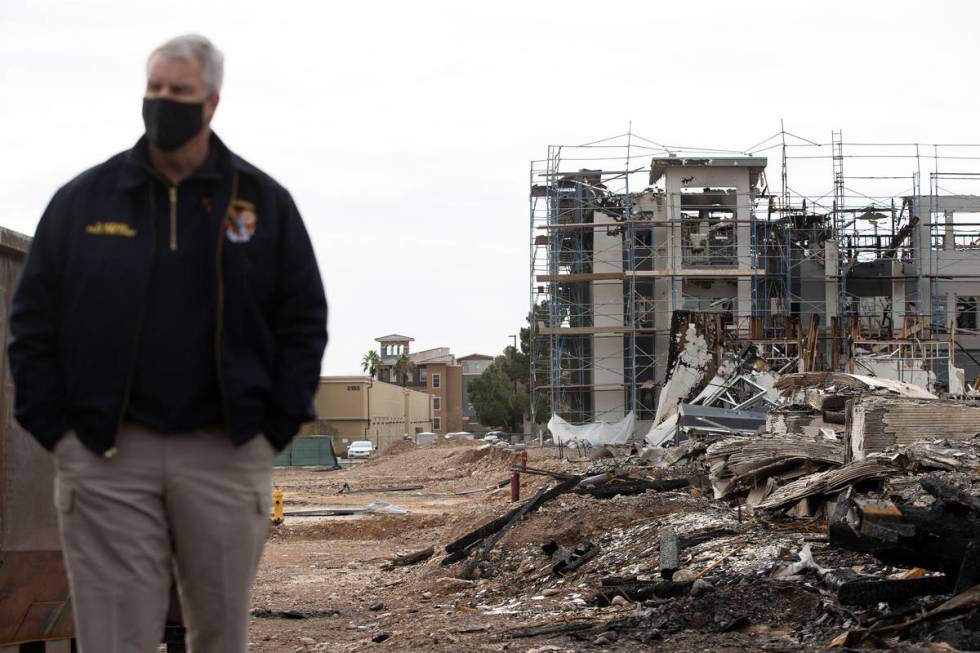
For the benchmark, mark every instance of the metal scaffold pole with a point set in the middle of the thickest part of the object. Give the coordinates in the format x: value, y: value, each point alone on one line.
x: 835, y: 265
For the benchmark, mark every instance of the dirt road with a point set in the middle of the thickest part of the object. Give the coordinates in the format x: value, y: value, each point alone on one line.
x: 331, y: 569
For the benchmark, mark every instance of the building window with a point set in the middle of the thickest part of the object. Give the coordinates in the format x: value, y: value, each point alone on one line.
x: 436, y: 423
x: 436, y: 380
x: 436, y: 403
x: 385, y: 376
x: 423, y: 377
x: 966, y: 312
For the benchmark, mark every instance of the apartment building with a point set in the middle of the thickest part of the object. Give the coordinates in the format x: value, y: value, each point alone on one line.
x: 436, y: 372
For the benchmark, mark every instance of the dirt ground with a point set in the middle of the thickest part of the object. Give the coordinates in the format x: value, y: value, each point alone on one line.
x: 325, y: 583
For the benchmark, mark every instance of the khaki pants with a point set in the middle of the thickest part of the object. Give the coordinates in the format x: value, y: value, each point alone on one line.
x: 191, y: 504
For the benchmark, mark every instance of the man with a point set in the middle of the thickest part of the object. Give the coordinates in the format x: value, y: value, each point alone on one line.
x: 167, y: 333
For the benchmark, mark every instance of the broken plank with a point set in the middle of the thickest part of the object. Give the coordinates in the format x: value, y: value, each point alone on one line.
x: 544, y: 472
x: 638, y: 591
x: 565, y: 561
x: 583, y: 557
x: 949, y: 494
x: 826, y: 483
x: 347, y: 489
x: 413, y: 558
x: 553, y: 629
x: 720, y: 560
x: 962, y: 602
x: 631, y: 487
x: 969, y: 574
x: 326, y: 512
x: 456, y: 556
x: 489, y: 528
x: 532, y: 504
x: 875, y: 590
x: 474, y: 536
x: 905, y: 535
x: 700, y: 537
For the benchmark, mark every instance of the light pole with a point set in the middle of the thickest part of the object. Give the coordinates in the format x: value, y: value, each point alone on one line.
x: 514, y: 340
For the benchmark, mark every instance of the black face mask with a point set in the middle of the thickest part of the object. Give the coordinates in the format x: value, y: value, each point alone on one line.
x: 170, y: 124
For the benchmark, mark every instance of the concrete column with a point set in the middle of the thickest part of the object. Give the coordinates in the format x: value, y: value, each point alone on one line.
x: 743, y: 243
x: 607, y: 348
x: 949, y: 242
x: 898, y: 297
x: 831, y: 286
x: 923, y: 259
x: 662, y: 288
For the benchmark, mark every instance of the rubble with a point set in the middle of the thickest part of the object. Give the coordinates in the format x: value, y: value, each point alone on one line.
x: 824, y: 483
x: 732, y: 538
x: 944, y: 537
x: 737, y: 463
x: 878, y: 423
x: 565, y: 561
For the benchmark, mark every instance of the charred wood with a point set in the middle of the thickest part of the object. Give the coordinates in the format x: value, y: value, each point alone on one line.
x: 631, y: 487
x: 532, y: 504
x: 412, y: 558
x: 638, y: 591
x: 934, y: 538
x: 857, y: 590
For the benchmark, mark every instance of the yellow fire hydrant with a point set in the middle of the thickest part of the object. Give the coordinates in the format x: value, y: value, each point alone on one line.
x: 277, y: 516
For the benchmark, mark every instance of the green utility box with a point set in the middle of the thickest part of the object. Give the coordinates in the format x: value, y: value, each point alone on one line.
x: 309, y: 450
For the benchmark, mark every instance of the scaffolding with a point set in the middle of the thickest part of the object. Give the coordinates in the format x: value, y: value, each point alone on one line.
x: 626, y: 231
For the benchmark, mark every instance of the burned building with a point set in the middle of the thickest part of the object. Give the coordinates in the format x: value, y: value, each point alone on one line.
x: 876, y: 271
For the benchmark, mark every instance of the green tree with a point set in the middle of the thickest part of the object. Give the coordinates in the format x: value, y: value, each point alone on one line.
x: 499, y: 399
x: 371, y: 362
x: 541, y: 357
x: 501, y: 395
x: 403, y: 368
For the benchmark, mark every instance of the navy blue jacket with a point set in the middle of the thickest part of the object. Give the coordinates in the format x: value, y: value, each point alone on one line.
x: 78, y: 309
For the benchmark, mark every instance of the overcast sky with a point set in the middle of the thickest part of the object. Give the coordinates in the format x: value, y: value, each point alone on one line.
x: 404, y: 130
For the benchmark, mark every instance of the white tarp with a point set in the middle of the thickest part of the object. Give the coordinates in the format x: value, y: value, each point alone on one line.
x: 595, y: 434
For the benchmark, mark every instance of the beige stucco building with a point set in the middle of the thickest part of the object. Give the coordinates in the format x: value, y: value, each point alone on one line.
x: 436, y: 372
x: 352, y: 408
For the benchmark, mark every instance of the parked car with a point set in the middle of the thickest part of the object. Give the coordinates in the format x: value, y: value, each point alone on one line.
x: 426, y: 437
x: 360, y: 449
x: 493, y: 437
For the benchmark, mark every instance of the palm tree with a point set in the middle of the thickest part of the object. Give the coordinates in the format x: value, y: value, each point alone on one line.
x: 403, y: 368
x: 371, y: 361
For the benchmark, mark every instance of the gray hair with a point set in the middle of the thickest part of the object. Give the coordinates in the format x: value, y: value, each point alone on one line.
x: 194, y: 47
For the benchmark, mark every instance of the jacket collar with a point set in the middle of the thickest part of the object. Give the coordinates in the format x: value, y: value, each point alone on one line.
x: 137, y: 169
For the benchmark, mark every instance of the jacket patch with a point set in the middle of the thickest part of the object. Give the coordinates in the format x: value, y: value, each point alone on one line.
x: 110, y: 229
x: 240, y: 222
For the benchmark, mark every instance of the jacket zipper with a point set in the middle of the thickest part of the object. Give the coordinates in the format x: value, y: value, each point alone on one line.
x: 220, y: 317
x: 220, y: 295
x: 173, y: 218
x: 109, y: 453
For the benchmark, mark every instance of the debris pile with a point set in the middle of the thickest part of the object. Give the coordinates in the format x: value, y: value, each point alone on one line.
x: 787, y: 521
x: 791, y: 511
x: 757, y: 466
